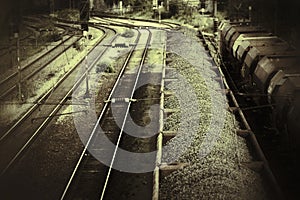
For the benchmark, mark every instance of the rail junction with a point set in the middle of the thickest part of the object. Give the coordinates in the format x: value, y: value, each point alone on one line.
x: 102, y: 98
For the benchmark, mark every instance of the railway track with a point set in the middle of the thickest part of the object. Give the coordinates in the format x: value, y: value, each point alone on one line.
x: 5, y: 49
x: 10, y: 83
x: 112, y: 20
x: 23, y: 38
x: 90, y: 178
x: 170, y: 24
x: 18, y: 138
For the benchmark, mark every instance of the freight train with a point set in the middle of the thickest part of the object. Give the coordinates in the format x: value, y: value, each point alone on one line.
x: 270, y: 70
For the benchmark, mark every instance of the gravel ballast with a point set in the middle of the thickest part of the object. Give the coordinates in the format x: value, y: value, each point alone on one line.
x: 216, y: 154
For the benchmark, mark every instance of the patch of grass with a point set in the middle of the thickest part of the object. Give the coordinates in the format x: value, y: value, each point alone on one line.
x: 128, y: 33
x: 105, y: 67
x: 110, y: 69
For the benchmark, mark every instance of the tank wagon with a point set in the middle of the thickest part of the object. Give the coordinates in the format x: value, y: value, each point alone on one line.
x: 270, y: 67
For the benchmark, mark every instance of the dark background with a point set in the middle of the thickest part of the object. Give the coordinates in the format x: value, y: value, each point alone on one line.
x: 279, y: 16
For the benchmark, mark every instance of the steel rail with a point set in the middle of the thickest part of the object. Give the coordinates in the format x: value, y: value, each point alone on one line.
x: 104, y: 109
x: 11, y: 89
x: 136, y: 19
x: 114, y: 22
x: 126, y: 113
x: 39, y: 58
x: 40, y: 101
x: 13, y: 77
x: 53, y: 112
x: 34, y: 61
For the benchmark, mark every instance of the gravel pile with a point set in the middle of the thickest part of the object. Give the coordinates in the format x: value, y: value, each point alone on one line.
x: 215, y: 153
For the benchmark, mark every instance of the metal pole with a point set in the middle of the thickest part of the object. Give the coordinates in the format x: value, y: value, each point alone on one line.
x: 215, y: 8
x: 275, y: 16
x: 121, y: 7
x: 11, y: 51
x: 155, y: 4
x: 87, y: 91
x: 19, y: 67
x: 250, y: 13
x: 51, y: 5
x: 159, y: 14
x: 168, y: 6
